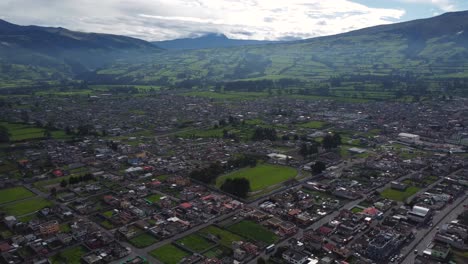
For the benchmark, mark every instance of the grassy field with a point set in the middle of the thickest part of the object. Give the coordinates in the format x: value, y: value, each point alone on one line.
x: 143, y: 240
x: 169, y: 254
x: 313, y: 124
x: 23, y: 132
x: 228, y: 95
x: 195, y: 243
x: 71, y: 255
x: 14, y: 194
x: 253, y: 231
x: 261, y: 176
x: 154, y: 198
x: 226, y: 237
x: 397, y: 195
x: 25, y: 207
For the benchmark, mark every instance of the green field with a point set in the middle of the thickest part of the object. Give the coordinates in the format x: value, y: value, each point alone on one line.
x: 195, y: 243
x: 22, y: 132
x: 154, y: 198
x: 71, y: 255
x: 14, y: 194
x: 228, y: 95
x: 226, y: 237
x: 261, y: 176
x: 253, y: 231
x: 25, y: 206
x: 143, y: 240
x: 169, y: 254
x: 397, y: 195
x: 313, y: 124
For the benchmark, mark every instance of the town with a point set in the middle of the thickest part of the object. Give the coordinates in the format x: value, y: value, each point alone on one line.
x: 188, y: 178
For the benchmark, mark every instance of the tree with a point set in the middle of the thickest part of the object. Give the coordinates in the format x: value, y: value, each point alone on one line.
x: 47, y: 134
x: 63, y: 183
x: 318, y: 167
x: 239, y: 187
x: 261, y: 260
x: 53, y: 191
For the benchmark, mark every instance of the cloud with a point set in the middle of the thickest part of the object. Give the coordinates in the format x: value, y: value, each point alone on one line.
x: 444, y: 5
x: 168, y: 19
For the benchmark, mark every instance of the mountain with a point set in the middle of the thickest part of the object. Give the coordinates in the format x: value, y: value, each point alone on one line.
x: 424, y: 53
x: 208, y: 41
x: 47, y: 51
x: 427, y: 49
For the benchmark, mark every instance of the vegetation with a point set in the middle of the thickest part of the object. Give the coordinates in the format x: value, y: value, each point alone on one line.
x: 398, y: 195
x: 71, y: 255
x: 225, y: 237
x: 25, y: 206
x: 238, y: 186
x: 143, y: 240
x: 195, y: 243
x: 14, y: 194
x: 169, y: 254
x: 261, y: 176
x: 154, y: 198
x: 254, y: 232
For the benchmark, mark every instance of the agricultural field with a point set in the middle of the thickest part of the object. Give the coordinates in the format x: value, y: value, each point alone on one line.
x: 195, y: 243
x: 169, y: 254
x: 14, y: 194
x: 262, y: 176
x: 226, y: 237
x: 143, y: 240
x: 397, y: 195
x: 253, y: 231
x: 71, y: 255
x: 25, y: 207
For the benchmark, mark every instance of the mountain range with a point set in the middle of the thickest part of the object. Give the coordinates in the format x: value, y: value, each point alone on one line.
x: 433, y: 48
x: 208, y: 41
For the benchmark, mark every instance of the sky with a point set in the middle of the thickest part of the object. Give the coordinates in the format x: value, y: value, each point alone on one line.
x: 240, y: 19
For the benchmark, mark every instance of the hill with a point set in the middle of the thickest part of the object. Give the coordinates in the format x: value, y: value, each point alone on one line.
x: 43, y: 53
x: 431, y: 50
x: 208, y: 41
x: 427, y: 54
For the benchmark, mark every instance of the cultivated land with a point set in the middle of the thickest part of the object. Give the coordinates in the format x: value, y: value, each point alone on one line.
x: 261, y: 176
x: 14, y: 194
x: 253, y: 231
x: 25, y: 206
x: 169, y: 254
x: 397, y: 195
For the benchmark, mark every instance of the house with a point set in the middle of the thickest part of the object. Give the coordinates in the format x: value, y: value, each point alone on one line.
x: 419, y: 214
x: 398, y: 186
x: 408, y: 138
x: 49, y: 228
x: 437, y: 251
x: 294, y: 257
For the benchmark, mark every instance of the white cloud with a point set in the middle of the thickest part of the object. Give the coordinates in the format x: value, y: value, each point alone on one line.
x: 444, y: 5
x: 167, y: 19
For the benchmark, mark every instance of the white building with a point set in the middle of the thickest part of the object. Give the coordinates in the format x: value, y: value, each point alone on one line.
x: 408, y: 138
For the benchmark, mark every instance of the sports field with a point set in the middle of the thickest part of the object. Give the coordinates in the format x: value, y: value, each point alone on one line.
x: 261, y: 176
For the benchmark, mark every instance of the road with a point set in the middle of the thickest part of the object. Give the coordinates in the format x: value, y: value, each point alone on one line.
x: 424, y: 236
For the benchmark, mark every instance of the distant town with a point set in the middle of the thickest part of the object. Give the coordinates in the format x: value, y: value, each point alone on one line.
x: 209, y: 177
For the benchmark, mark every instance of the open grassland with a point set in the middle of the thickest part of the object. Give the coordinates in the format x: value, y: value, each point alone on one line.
x: 254, y: 232
x: 143, y: 240
x: 71, y: 255
x: 169, y: 254
x: 261, y: 176
x: 24, y: 132
x: 14, y: 194
x: 397, y: 195
x: 226, y: 237
x: 195, y: 243
x: 25, y: 206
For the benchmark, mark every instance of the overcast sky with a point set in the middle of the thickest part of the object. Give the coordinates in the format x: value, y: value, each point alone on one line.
x: 242, y: 19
